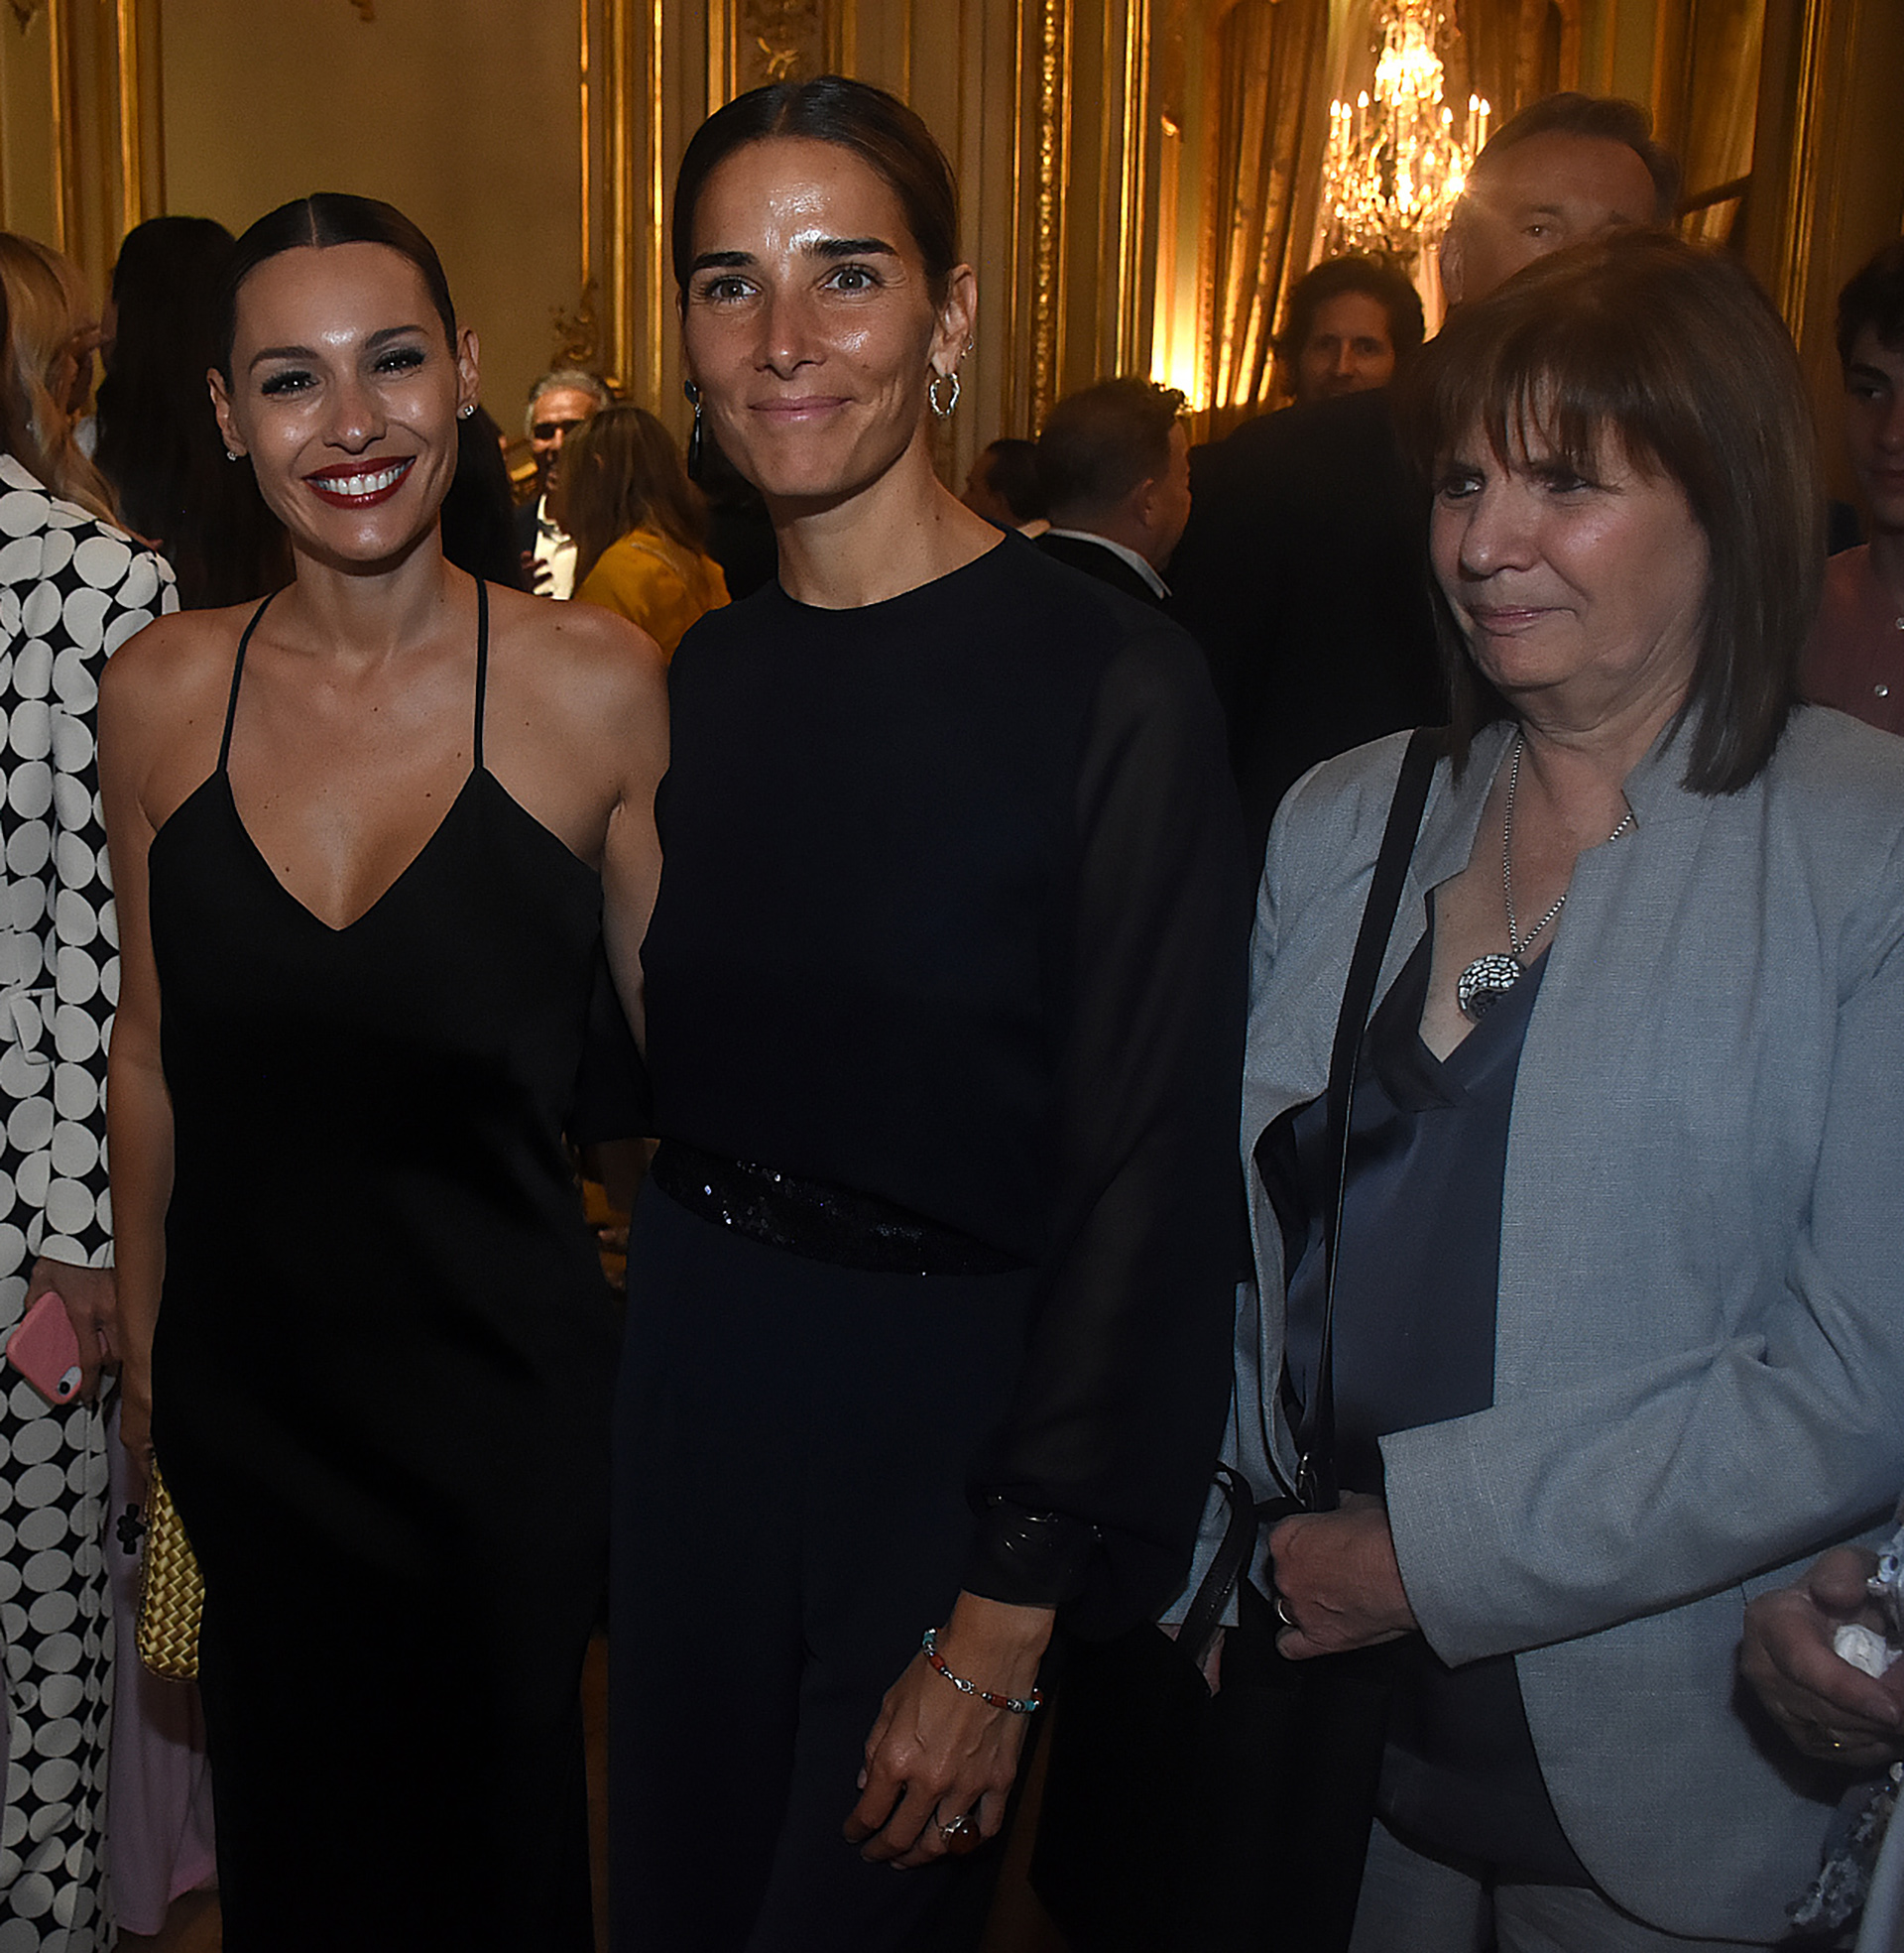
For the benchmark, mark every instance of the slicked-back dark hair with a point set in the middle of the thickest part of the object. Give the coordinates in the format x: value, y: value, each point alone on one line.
x: 878, y: 128
x: 1873, y: 296
x: 1674, y: 353
x: 324, y: 218
x: 1098, y: 443
x: 1390, y: 288
x: 1609, y: 118
x: 1011, y: 473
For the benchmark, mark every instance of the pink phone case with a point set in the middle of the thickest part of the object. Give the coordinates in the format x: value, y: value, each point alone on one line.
x: 46, y: 1352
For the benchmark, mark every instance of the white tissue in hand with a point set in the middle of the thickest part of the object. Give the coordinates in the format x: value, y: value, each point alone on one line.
x: 1863, y: 1649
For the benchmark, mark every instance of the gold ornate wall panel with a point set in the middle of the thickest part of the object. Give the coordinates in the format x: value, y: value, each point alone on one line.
x: 81, y: 160
x: 1136, y: 175
x: 1828, y: 177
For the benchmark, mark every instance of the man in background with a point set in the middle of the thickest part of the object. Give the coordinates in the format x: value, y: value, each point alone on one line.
x: 1304, y: 570
x: 1003, y: 487
x: 1114, y: 461
x: 1347, y: 325
x: 558, y: 404
x: 1855, y: 659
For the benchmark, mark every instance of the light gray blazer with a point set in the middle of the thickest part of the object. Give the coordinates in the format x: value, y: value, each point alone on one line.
x: 1698, y: 1359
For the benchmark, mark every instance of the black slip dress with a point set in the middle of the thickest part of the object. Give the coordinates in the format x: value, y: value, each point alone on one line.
x: 380, y: 1373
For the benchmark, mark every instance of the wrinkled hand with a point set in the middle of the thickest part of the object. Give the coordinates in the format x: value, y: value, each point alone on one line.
x: 1826, y: 1706
x: 937, y: 1755
x: 1338, y: 1584
x: 91, y: 1302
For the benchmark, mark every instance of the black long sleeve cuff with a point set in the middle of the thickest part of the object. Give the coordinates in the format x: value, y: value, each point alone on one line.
x: 1026, y: 1558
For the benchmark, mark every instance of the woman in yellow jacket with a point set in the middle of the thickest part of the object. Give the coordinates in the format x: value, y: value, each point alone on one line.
x: 637, y: 525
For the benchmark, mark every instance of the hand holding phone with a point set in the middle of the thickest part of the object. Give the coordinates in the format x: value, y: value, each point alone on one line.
x: 46, y: 1352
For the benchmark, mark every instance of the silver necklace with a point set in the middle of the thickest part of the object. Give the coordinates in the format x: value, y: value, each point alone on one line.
x: 1487, y: 979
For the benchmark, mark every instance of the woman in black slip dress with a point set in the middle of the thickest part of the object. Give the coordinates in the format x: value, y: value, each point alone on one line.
x: 932, y: 1285
x: 368, y: 840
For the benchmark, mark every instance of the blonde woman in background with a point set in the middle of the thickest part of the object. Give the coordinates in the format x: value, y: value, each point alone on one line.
x: 50, y: 369
x: 638, y: 526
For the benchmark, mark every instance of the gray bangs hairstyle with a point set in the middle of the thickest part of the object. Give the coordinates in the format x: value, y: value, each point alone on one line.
x: 1675, y: 354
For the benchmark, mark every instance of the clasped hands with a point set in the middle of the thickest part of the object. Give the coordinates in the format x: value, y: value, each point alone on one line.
x: 1338, y: 1582
x: 1828, y: 1708
x: 940, y: 1764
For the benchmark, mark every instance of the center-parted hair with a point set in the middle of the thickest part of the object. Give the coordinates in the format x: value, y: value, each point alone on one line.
x: 324, y: 218
x: 1369, y: 277
x: 878, y: 128
x: 1098, y: 443
x: 620, y: 471
x: 1675, y: 354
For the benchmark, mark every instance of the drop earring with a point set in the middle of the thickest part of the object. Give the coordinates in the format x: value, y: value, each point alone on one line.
x: 693, y: 393
x: 946, y: 412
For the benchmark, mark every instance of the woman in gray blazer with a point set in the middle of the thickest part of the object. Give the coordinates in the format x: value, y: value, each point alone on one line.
x: 1617, y: 1336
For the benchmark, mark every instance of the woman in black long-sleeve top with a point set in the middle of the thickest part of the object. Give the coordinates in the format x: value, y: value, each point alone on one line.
x: 931, y: 1297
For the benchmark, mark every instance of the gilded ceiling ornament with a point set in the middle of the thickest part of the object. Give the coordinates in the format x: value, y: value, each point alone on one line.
x: 578, y: 334
x: 782, y: 41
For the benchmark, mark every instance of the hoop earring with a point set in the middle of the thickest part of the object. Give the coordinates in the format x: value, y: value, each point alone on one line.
x: 693, y: 393
x: 946, y: 412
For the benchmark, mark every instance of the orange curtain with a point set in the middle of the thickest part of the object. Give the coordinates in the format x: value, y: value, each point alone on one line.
x: 1271, y: 126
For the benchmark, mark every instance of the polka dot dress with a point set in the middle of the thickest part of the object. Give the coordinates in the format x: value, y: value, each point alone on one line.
x: 72, y: 592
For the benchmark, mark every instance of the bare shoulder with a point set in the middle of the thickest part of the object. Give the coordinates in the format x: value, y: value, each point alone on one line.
x: 159, y: 672
x: 161, y: 704
x: 578, y: 660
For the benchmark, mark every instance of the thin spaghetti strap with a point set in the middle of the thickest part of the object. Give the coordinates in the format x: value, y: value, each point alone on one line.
x: 237, y: 672
x: 482, y: 665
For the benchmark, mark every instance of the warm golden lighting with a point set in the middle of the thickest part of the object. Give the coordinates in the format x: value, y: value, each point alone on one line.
x: 1394, y: 166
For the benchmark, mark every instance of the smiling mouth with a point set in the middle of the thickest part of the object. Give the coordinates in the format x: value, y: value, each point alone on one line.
x: 800, y: 410
x: 362, y: 488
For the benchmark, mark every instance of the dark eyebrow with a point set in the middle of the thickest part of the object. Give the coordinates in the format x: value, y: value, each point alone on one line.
x: 1857, y: 370
x: 721, y: 261
x: 853, y: 247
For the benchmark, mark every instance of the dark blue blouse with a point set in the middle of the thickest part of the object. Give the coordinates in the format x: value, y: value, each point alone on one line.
x: 1415, y: 1291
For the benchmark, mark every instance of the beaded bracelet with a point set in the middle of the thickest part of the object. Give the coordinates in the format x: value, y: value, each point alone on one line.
x: 1019, y: 1705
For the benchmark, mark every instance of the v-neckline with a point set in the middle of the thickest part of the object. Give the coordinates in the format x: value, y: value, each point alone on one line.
x: 390, y: 888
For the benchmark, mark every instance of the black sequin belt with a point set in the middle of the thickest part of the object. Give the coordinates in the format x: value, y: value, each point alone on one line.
x: 817, y: 1220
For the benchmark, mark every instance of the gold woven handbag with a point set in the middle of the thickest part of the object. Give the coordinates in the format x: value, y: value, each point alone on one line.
x: 172, y: 1591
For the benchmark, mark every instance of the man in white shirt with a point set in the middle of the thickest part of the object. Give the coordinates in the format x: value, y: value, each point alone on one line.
x: 558, y: 404
x: 1114, y: 461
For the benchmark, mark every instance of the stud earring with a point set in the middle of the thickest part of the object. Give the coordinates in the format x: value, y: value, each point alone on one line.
x: 232, y: 455
x: 693, y: 395
x: 466, y: 410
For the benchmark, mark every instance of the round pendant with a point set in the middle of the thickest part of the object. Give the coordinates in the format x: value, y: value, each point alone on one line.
x: 1485, y: 982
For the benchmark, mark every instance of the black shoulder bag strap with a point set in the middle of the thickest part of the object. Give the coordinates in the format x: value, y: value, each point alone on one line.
x: 1316, y: 1433
x: 1316, y: 1484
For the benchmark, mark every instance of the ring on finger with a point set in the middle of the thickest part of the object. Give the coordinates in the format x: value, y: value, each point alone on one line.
x: 960, y: 1824
x: 1283, y: 1614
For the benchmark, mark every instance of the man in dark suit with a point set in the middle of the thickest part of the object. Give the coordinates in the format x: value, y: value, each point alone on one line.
x: 1303, y: 572
x: 1114, y: 461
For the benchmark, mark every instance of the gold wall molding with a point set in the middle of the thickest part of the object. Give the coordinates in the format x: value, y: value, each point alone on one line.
x: 1053, y: 142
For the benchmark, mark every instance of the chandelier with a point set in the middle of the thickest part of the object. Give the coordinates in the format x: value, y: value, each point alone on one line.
x: 1395, y: 168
